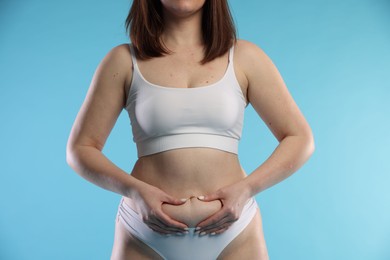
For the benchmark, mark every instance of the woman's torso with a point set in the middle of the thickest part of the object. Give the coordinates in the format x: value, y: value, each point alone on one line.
x: 190, y: 171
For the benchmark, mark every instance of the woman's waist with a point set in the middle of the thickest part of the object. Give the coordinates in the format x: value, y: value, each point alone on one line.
x: 191, y: 213
x: 186, y: 178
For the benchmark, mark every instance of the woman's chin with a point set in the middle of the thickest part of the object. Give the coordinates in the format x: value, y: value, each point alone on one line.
x: 193, y: 211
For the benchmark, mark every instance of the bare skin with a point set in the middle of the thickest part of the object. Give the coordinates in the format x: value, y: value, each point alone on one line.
x: 189, y: 172
x: 158, y: 180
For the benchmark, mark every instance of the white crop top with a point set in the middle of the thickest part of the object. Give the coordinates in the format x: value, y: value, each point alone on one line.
x: 166, y: 118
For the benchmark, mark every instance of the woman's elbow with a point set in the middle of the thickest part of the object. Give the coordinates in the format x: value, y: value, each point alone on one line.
x: 70, y: 156
x: 310, y: 143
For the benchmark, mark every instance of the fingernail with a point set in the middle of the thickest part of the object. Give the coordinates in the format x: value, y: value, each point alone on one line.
x: 202, y: 233
x: 213, y: 233
x: 197, y: 228
x: 186, y: 228
x: 183, y: 200
x: 201, y: 197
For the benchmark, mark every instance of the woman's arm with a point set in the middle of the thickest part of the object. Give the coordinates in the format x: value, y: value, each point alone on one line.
x: 102, y: 106
x: 104, y: 101
x: 271, y: 99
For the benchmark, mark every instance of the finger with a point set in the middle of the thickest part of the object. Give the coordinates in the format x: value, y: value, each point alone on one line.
x: 219, y: 229
x: 215, y: 224
x: 167, y: 227
x: 171, y: 200
x: 209, y: 197
x: 152, y: 220
x: 162, y: 231
x: 213, y: 219
x: 161, y: 227
x: 218, y: 219
x: 158, y: 229
x: 163, y: 220
x: 170, y: 222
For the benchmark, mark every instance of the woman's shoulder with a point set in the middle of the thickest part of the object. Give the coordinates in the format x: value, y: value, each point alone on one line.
x: 249, y: 56
x: 118, y: 59
x: 121, y: 53
x: 247, y: 50
x: 242, y: 43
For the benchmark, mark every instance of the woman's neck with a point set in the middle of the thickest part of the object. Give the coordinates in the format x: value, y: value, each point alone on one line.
x: 183, y: 31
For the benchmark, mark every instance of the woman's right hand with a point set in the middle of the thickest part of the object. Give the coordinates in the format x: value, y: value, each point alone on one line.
x: 149, y: 200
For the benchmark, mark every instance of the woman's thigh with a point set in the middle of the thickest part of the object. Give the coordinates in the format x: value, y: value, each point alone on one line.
x: 249, y: 244
x: 127, y: 246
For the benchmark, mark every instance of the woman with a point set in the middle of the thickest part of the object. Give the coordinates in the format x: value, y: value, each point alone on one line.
x: 185, y: 81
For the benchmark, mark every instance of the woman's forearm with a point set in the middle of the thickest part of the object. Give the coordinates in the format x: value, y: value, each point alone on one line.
x: 91, y: 164
x: 291, y: 153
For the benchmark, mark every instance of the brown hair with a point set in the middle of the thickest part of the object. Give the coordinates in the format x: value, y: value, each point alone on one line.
x: 145, y: 24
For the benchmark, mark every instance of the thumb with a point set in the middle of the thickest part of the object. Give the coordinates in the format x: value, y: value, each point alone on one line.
x: 174, y: 201
x: 208, y: 197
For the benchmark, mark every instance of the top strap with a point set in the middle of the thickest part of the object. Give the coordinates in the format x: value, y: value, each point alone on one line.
x: 231, y: 52
x: 132, y: 52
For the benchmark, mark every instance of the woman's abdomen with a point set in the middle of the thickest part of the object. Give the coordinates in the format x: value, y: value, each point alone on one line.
x: 193, y: 211
x: 187, y: 172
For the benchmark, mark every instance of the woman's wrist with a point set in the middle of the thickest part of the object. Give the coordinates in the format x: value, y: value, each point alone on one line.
x: 248, y: 188
x: 134, y: 187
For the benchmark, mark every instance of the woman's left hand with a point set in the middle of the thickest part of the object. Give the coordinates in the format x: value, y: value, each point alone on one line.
x: 233, y: 198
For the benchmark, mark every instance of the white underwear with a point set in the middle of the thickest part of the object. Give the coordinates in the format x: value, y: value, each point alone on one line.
x: 186, y: 246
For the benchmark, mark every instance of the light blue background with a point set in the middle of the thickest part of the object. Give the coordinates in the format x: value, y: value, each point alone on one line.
x: 335, y: 59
